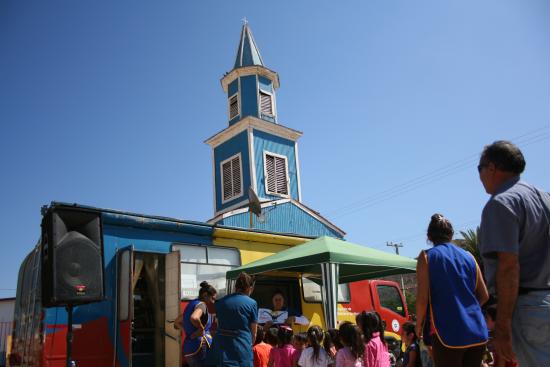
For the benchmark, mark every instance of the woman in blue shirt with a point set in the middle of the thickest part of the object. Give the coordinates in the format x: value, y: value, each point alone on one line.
x: 237, y: 316
x: 451, y: 288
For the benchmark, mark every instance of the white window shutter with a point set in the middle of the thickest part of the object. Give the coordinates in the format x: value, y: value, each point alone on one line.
x: 236, y: 170
x: 276, y: 175
x: 280, y: 168
x: 266, y: 106
x: 233, y: 107
x: 231, y: 178
x: 227, y: 181
x: 270, y: 169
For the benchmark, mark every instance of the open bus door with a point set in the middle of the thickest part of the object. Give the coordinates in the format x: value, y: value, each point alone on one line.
x: 148, y: 304
x: 172, y: 336
x: 123, y: 344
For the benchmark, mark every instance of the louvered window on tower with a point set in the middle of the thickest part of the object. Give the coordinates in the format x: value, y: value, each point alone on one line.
x: 276, y: 174
x: 266, y: 105
x: 231, y: 178
x: 233, y: 107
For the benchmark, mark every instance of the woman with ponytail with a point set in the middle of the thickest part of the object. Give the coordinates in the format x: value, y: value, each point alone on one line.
x: 314, y: 355
x: 196, y: 322
x: 451, y: 290
x: 237, y: 316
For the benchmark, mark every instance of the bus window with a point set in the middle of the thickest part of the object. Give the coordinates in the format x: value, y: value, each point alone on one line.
x: 199, y: 263
x: 312, y: 291
x: 390, y: 299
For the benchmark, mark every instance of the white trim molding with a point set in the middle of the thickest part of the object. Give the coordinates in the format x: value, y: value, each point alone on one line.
x: 297, y: 163
x: 214, y: 204
x: 250, y: 70
x: 252, y: 159
x: 256, y: 123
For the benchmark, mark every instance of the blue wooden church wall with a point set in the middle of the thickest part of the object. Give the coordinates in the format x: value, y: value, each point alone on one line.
x: 238, y: 144
x: 288, y: 218
x: 274, y: 144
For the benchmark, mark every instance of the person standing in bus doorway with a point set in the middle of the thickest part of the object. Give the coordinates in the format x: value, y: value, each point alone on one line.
x: 514, y: 241
x: 196, y: 323
x: 237, y: 316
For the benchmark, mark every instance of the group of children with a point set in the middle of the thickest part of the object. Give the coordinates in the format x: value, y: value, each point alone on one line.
x: 351, y: 345
x: 414, y: 356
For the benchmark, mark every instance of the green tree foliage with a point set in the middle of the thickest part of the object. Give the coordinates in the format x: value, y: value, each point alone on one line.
x: 411, y: 302
x: 469, y: 242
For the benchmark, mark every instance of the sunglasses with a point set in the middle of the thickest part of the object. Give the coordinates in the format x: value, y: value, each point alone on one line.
x: 481, y: 166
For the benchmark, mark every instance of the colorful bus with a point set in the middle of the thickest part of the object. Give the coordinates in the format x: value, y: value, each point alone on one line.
x: 152, y: 267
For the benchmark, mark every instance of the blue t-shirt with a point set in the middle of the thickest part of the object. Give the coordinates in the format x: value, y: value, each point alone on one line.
x: 232, y: 345
x: 516, y: 220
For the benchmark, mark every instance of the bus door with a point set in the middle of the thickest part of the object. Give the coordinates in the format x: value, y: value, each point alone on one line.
x: 148, y: 304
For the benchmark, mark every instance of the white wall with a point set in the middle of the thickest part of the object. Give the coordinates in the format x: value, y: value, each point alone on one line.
x: 6, y: 310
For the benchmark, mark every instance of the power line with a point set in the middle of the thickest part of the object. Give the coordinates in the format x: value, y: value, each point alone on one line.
x: 526, y: 139
x: 461, y: 225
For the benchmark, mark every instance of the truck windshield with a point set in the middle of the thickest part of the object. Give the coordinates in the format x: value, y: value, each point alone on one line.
x: 391, y: 299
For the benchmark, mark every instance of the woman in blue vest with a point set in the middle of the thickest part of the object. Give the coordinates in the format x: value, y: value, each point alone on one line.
x: 196, y: 323
x: 452, y: 290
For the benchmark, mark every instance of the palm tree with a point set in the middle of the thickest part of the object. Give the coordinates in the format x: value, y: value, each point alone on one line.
x: 469, y: 242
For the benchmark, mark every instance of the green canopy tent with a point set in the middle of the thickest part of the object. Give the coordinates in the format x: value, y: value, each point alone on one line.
x: 334, y: 261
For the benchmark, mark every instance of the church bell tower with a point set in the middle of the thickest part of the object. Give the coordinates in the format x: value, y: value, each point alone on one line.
x: 255, y: 151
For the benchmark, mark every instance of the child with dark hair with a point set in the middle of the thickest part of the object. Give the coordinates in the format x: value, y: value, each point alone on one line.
x: 299, y: 342
x: 376, y: 350
x: 332, y: 343
x: 411, y: 358
x: 271, y: 336
x: 351, y: 355
x: 284, y: 354
x: 261, y: 349
x: 314, y: 355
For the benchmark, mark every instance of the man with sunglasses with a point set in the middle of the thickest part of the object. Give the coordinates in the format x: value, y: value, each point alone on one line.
x: 514, y: 241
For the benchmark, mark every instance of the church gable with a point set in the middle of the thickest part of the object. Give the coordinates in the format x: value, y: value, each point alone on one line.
x: 286, y: 216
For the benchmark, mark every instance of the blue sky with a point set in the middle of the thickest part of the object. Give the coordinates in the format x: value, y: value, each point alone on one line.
x: 108, y: 104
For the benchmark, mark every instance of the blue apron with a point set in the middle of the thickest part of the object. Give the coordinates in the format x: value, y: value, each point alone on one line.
x: 455, y: 312
x: 193, y: 346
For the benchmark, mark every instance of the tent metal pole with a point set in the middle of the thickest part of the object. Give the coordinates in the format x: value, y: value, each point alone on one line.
x: 329, y: 293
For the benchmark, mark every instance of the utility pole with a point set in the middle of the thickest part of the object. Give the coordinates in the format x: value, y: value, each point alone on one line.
x: 397, y: 245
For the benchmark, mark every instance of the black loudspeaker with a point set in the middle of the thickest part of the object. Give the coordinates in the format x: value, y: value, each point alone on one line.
x: 72, y: 257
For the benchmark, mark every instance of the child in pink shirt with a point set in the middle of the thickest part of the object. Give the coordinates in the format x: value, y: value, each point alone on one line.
x: 376, y: 350
x: 284, y: 354
x: 351, y: 355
